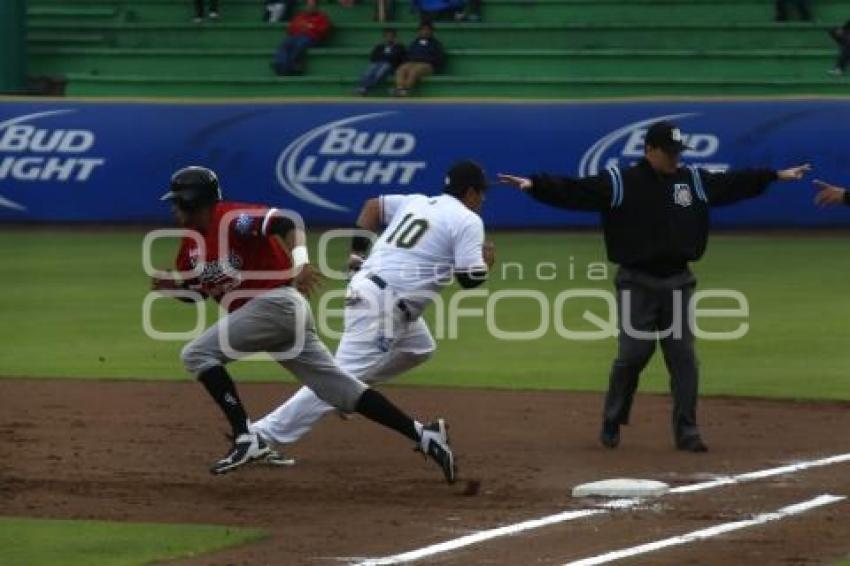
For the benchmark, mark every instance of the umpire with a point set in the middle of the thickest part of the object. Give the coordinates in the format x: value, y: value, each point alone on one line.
x: 655, y: 216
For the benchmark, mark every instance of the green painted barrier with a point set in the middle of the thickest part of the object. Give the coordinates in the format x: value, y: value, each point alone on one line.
x: 13, y: 62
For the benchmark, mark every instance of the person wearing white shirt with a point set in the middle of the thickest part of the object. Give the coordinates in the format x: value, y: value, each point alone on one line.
x: 427, y: 241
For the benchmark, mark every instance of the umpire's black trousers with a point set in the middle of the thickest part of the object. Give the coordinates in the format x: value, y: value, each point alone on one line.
x: 652, y: 310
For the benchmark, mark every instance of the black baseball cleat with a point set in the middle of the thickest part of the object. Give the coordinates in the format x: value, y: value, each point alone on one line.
x: 246, y: 448
x: 610, y: 435
x: 435, y: 443
x: 691, y: 444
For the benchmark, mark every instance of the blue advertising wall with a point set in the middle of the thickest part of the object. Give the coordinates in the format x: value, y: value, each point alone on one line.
x: 110, y: 161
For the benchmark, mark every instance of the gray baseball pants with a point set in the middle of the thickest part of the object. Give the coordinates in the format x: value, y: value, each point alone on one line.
x: 280, y: 323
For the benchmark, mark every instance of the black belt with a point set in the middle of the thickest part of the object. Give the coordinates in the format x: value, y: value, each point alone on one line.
x: 381, y: 284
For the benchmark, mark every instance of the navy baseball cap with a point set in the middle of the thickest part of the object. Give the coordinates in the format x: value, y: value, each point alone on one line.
x: 666, y: 136
x: 464, y: 174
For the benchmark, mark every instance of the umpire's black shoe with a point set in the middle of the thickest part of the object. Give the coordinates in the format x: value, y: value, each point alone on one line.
x: 691, y: 444
x: 246, y: 448
x: 610, y: 435
x: 435, y: 443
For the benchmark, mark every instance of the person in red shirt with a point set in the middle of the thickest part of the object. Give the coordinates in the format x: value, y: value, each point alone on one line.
x: 307, y: 29
x: 253, y: 261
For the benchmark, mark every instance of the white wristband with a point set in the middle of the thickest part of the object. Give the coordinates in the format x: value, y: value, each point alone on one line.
x: 299, y: 256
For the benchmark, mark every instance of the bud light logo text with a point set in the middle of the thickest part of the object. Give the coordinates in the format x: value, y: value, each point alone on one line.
x: 625, y: 146
x: 33, y: 152
x: 340, y: 153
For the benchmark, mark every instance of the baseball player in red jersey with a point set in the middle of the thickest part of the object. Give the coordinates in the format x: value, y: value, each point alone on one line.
x: 252, y: 260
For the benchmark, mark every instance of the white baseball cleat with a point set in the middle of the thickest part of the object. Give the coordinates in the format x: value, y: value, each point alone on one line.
x: 434, y: 442
x: 246, y: 448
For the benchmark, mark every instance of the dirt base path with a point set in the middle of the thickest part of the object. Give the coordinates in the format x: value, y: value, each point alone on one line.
x: 140, y: 452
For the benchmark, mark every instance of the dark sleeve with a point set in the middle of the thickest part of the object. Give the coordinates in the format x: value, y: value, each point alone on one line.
x: 588, y: 193
x: 377, y: 53
x: 471, y: 279
x: 261, y: 223
x: 734, y: 186
x: 439, y: 55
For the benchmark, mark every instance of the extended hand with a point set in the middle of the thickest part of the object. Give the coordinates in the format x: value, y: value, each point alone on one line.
x: 522, y: 183
x: 489, y: 253
x: 829, y: 195
x: 308, y: 280
x: 793, y: 173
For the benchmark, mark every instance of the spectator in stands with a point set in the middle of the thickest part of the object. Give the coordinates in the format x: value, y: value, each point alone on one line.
x: 385, y: 58
x: 278, y: 10
x: 307, y: 29
x: 460, y: 10
x: 842, y: 38
x: 425, y: 56
x: 470, y: 13
x: 804, y: 9
x: 199, y: 10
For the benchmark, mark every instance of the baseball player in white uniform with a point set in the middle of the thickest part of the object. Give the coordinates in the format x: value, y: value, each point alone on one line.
x: 426, y: 242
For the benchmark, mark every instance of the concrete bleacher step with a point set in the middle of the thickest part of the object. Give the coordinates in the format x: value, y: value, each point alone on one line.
x: 65, y: 39
x: 350, y: 62
x: 62, y: 13
x: 525, y: 48
x: 473, y: 36
x: 135, y: 86
x: 530, y: 11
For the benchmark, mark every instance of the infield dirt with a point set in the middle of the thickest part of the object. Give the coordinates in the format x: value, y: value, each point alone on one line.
x: 133, y: 451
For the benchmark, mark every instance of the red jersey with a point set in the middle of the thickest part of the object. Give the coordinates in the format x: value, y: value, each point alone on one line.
x: 236, y: 243
x: 315, y: 25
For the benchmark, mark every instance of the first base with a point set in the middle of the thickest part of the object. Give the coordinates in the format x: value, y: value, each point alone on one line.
x: 621, y: 487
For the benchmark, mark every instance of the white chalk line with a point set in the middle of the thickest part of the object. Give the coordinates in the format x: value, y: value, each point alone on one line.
x: 759, y: 475
x: 703, y: 534
x: 509, y: 530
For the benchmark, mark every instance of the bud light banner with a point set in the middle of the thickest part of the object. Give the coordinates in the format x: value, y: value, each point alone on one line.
x: 111, y: 161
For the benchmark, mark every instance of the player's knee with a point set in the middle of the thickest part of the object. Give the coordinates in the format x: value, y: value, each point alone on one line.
x: 682, y: 357
x: 343, y: 398
x: 419, y: 357
x: 195, y: 360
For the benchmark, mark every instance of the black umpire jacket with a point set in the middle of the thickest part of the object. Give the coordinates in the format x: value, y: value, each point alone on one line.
x: 653, y: 223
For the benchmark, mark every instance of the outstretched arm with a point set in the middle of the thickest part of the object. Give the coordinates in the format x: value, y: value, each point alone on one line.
x: 370, y: 219
x: 831, y: 195
x: 293, y: 239
x: 741, y: 184
x: 589, y: 193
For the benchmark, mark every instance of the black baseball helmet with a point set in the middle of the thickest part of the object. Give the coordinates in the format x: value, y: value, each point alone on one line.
x: 193, y: 187
x: 463, y: 175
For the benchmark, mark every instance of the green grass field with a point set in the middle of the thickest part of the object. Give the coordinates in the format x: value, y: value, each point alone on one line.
x: 37, y: 542
x: 71, y: 304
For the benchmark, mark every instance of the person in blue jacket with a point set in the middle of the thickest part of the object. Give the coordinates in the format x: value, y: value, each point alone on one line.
x: 425, y: 56
x: 385, y: 58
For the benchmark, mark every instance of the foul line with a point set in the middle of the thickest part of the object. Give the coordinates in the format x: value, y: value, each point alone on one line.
x: 710, y: 532
x: 565, y: 516
x: 482, y: 536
